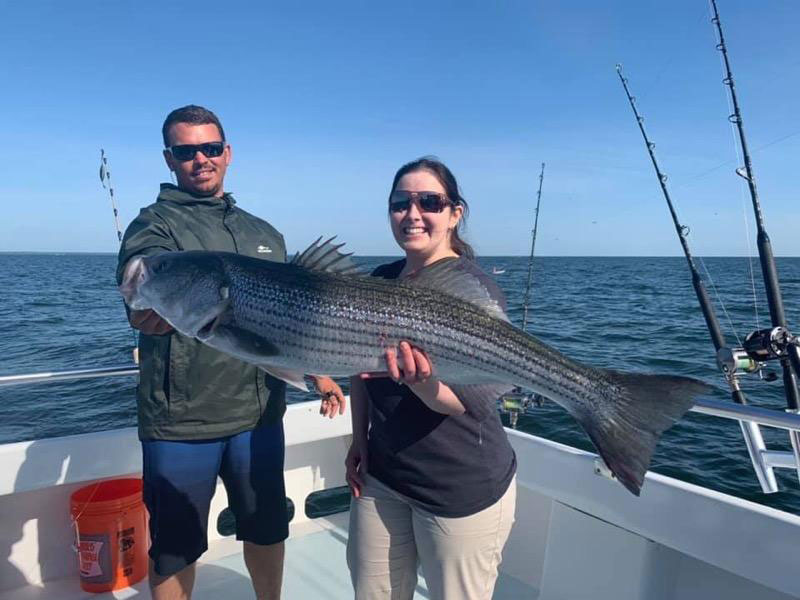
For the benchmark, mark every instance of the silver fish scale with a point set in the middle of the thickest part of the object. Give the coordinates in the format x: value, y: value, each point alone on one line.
x: 341, y: 325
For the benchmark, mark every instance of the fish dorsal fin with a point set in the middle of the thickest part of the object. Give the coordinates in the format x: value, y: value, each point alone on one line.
x: 449, y: 278
x: 326, y: 257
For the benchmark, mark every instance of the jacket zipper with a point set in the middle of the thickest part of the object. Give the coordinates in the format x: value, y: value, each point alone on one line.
x: 225, y: 213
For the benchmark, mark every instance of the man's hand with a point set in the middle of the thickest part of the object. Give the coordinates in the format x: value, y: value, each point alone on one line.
x: 333, y: 400
x: 147, y: 321
x: 416, y: 367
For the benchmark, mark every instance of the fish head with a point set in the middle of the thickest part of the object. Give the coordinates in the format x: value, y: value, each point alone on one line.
x: 187, y: 289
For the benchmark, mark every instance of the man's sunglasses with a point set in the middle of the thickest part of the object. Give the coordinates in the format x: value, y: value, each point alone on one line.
x: 186, y: 152
x: 429, y: 202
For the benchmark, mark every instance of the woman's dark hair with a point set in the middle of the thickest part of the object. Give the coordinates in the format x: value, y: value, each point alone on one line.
x: 192, y: 114
x: 438, y: 169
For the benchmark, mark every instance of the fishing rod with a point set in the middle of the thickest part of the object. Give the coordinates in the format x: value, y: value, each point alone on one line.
x: 731, y: 361
x: 775, y: 343
x: 526, y: 302
x: 714, y: 329
x: 105, y: 181
x: 517, y: 401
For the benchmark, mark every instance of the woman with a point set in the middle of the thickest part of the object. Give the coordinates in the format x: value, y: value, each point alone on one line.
x: 432, y: 474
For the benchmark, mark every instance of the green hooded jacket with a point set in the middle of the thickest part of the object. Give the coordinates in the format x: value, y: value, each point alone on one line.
x: 187, y: 390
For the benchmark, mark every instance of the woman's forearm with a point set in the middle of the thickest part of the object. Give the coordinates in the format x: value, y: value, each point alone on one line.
x: 438, y: 397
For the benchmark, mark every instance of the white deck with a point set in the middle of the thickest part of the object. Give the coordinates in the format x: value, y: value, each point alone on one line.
x: 577, y: 535
x: 315, y: 568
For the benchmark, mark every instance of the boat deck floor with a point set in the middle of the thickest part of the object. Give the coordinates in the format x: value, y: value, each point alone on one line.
x: 315, y: 568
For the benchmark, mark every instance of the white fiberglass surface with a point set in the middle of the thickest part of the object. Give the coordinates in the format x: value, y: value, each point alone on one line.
x: 315, y: 568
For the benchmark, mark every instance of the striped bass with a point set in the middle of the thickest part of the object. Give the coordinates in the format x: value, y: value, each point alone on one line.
x: 316, y: 315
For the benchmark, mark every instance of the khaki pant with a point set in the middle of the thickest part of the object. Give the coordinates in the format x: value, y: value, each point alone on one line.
x: 459, y: 557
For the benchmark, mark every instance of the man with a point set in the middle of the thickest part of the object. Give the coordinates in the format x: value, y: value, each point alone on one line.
x: 202, y: 413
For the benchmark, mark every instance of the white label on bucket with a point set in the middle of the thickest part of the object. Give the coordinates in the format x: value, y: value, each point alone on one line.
x: 90, y: 558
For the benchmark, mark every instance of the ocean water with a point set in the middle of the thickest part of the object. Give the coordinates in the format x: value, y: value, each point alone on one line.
x: 63, y: 312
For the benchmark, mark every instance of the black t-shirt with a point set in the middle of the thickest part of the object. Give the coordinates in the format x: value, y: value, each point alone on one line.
x: 449, y: 465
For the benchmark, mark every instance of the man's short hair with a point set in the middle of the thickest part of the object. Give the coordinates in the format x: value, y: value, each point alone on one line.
x: 192, y: 114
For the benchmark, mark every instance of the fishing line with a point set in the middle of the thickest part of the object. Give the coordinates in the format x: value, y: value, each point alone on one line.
x: 683, y: 39
x: 710, y: 279
x: 689, y: 180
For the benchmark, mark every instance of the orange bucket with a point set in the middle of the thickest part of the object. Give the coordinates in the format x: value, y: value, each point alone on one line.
x: 111, y: 530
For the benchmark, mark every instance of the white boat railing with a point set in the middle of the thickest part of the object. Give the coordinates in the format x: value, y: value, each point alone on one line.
x: 6, y: 380
x: 746, y: 415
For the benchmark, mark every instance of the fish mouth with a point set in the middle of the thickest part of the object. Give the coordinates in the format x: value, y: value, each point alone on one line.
x: 219, y: 314
x: 207, y: 330
x: 133, y: 277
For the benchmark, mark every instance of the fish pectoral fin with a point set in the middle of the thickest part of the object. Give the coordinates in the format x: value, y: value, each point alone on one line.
x: 241, y: 343
x: 294, y: 378
x: 480, y: 400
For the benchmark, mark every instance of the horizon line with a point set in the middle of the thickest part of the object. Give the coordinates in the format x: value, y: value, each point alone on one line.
x: 107, y: 253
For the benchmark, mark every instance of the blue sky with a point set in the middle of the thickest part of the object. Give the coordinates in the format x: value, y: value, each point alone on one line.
x: 323, y: 101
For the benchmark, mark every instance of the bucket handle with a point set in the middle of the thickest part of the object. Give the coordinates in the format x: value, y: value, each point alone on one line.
x: 74, y: 520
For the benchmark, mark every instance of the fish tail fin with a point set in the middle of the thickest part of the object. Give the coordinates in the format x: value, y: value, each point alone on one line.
x: 639, y: 409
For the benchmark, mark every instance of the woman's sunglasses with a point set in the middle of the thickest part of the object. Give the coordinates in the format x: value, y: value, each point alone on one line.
x: 186, y: 152
x: 429, y: 202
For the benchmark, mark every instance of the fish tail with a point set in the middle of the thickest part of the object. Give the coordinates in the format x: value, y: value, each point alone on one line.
x: 639, y: 409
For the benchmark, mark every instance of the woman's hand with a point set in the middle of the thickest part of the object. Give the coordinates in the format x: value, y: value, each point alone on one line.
x: 356, y: 467
x: 417, y: 374
x: 333, y: 400
x: 416, y: 366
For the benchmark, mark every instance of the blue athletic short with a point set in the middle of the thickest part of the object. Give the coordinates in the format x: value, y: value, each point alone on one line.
x: 180, y: 479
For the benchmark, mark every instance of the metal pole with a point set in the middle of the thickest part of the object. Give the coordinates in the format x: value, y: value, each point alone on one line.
x: 124, y: 370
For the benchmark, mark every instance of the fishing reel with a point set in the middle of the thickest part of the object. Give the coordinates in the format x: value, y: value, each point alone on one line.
x: 759, y: 347
x: 768, y: 344
x: 734, y: 361
x: 517, y: 402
